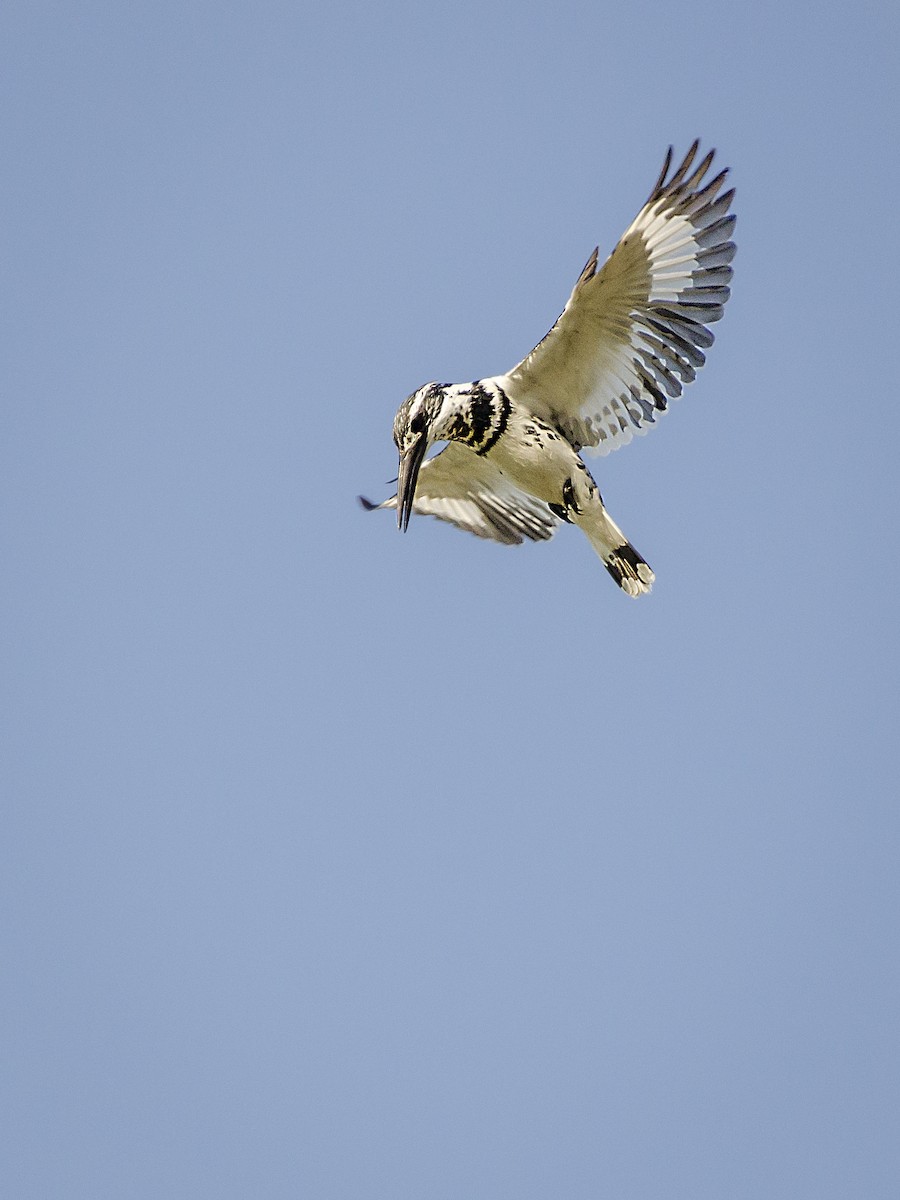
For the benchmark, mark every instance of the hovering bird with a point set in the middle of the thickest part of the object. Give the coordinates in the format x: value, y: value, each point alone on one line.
x: 632, y: 333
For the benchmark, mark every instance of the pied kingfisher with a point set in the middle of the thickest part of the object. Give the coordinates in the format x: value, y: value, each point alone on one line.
x: 630, y: 335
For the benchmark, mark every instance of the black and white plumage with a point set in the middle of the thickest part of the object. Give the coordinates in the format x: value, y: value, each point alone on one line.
x: 631, y: 335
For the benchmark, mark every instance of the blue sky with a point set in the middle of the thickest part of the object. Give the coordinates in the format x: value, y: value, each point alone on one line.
x: 345, y: 864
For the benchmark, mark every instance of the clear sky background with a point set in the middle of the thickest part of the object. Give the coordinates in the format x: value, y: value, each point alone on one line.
x: 340, y: 864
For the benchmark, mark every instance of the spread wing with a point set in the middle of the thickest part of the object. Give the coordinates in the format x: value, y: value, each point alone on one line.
x: 634, y: 332
x: 465, y: 489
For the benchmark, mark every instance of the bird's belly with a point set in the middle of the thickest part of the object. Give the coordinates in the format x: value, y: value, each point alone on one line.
x: 537, y: 459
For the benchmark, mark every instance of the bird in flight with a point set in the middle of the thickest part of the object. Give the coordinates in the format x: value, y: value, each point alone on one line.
x: 632, y: 334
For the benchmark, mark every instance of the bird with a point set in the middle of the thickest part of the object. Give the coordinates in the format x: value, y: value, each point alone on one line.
x: 631, y: 335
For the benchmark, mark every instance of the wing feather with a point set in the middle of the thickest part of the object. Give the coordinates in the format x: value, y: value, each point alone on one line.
x: 634, y: 333
x: 461, y: 487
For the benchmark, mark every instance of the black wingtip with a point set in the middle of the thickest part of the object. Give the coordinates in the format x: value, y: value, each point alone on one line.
x: 682, y: 171
x: 590, y: 267
x: 366, y: 504
x: 663, y: 173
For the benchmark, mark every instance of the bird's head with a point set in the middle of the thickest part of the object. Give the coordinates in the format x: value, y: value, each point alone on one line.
x: 416, y: 427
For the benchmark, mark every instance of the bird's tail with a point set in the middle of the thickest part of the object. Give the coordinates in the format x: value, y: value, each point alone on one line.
x: 620, y: 558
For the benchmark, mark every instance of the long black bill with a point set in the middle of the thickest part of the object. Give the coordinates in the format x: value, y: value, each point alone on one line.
x: 410, y: 462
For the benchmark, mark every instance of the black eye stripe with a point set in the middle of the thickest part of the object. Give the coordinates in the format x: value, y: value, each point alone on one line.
x: 417, y: 424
